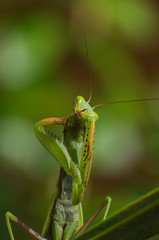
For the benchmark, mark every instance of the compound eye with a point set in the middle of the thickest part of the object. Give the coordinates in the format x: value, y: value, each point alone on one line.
x: 80, y: 99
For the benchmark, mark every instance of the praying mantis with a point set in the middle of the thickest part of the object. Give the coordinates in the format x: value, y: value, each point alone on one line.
x: 74, y: 153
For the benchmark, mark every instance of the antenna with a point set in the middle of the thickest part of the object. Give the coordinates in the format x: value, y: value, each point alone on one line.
x: 127, y: 101
x: 89, y: 69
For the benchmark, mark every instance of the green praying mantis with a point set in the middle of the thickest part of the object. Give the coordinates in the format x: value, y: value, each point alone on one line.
x: 74, y: 153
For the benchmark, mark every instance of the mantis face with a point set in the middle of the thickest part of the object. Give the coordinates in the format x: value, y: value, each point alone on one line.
x: 83, y: 109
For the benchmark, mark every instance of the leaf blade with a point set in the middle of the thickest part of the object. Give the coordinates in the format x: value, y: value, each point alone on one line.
x: 139, y: 220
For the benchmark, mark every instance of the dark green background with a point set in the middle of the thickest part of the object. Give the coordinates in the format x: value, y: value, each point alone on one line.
x: 43, y: 66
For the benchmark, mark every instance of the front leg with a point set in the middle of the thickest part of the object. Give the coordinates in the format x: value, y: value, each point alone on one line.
x: 9, y: 216
x: 56, y: 147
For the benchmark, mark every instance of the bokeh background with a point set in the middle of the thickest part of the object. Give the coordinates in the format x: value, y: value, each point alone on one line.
x: 43, y: 66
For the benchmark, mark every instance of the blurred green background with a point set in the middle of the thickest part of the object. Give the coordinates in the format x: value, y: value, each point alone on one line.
x: 43, y: 66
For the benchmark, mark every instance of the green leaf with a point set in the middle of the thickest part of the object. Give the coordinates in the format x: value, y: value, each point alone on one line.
x: 137, y: 221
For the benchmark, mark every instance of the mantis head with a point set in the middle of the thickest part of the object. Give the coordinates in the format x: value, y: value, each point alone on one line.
x: 83, y: 109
